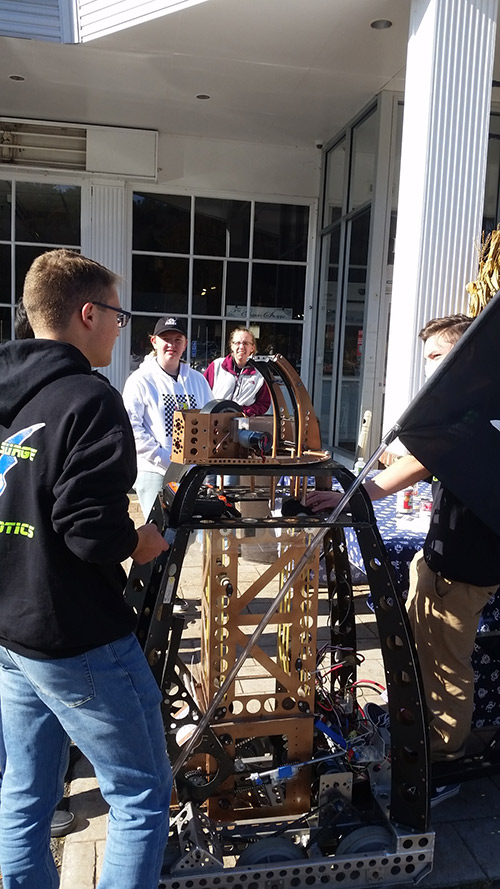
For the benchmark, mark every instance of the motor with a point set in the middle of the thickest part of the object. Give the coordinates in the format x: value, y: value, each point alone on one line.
x: 255, y: 441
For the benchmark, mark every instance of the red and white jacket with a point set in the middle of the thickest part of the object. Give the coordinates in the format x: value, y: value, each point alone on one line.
x: 246, y: 387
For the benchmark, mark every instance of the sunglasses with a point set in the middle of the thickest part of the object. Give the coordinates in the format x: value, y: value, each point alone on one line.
x: 122, y: 316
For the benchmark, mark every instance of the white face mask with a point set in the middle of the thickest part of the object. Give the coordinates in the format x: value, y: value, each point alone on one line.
x: 430, y: 367
x: 435, y: 350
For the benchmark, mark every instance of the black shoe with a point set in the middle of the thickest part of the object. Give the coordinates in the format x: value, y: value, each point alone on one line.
x: 442, y: 793
x: 62, y: 823
x: 74, y: 755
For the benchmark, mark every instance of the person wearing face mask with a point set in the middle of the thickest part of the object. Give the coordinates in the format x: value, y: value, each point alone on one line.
x: 232, y: 379
x: 451, y: 580
x: 161, y: 385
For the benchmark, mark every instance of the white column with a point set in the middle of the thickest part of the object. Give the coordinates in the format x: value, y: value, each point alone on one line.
x: 105, y: 239
x: 443, y: 169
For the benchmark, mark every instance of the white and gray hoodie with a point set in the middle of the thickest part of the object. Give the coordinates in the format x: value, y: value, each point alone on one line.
x: 151, y: 396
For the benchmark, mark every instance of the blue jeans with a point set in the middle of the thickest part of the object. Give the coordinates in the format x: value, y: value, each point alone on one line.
x: 107, y: 701
x: 3, y: 755
x: 147, y: 486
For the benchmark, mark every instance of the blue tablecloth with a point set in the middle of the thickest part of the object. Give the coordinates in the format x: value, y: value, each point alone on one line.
x: 403, y: 536
x: 486, y: 663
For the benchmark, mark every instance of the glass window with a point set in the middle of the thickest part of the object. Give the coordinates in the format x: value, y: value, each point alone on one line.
x: 207, y: 286
x: 24, y: 258
x: 391, y: 244
x: 48, y: 214
x: 5, y: 274
x: 5, y: 324
x: 328, y: 308
x: 280, y: 232
x: 161, y: 222
x: 221, y: 228
x: 353, y: 333
x: 218, y: 278
x: 206, y: 342
x: 364, y: 149
x: 490, y: 210
x: 43, y: 216
x: 160, y: 284
x: 492, y: 186
x: 277, y: 291
x: 236, y: 289
x: 140, y: 343
x: 285, y: 339
x: 395, y: 185
x: 5, y: 210
x: 335, y: 180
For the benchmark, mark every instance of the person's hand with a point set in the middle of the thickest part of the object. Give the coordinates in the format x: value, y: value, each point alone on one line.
x: 319, y: 501
x: 150, y: 544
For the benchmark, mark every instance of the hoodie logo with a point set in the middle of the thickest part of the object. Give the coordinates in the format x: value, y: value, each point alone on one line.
x: 12, y: 448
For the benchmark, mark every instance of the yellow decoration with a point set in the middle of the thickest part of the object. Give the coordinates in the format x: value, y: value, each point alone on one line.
x: 487, y: 282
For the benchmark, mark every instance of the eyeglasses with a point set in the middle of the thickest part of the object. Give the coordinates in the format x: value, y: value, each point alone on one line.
x: 122, y: 316
x: 237, y: 343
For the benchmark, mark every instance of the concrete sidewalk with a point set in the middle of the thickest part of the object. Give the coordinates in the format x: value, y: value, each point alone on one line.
x: 84, y: 847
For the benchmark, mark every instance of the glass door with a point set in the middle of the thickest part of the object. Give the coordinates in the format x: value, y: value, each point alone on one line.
x: 344, y: 251
x: 352, y: 334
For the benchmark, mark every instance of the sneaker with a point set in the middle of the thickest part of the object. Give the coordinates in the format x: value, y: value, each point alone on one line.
x: 442, y: 793
x: 62, y: 823
x: 180, y: 606
x: 380, y: 719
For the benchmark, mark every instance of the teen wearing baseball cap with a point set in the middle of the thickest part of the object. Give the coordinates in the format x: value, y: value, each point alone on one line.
x: 161, y: 385
x: 167, y: 324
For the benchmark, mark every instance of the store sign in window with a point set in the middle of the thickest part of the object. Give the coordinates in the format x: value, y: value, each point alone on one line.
x: 273, y: 313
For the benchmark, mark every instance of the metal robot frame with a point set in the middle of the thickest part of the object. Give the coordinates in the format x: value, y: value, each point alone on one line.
x: 215, y: 754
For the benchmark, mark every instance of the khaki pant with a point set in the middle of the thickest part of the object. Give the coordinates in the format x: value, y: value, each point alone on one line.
x: 444, y: 616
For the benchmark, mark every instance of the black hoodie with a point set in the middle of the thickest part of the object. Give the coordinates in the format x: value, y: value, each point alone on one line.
x: 67, y: 462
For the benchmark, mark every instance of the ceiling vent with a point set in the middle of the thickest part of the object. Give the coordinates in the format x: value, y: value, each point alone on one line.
x: 91, y: 149
x: 32, y: 144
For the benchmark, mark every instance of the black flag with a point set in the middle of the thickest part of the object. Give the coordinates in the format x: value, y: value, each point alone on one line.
x: 453, y: 425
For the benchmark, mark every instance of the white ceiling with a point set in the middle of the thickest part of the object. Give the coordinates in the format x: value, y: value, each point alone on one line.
x: 289, y: 72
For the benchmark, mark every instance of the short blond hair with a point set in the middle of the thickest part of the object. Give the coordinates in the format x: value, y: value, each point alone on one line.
x: 61, y: 281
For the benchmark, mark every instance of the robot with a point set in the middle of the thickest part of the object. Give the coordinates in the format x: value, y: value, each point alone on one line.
x: 285, y: 781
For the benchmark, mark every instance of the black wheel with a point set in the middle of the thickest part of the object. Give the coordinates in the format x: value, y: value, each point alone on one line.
x: 270, y: 850
x: 221, y: 406
x: 371, y: 838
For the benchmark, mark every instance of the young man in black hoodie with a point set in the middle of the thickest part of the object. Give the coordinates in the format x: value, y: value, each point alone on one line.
x: 70, y: 663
